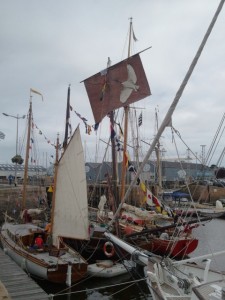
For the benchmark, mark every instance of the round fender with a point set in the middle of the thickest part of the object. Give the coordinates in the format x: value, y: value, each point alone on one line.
x: 109, y: 250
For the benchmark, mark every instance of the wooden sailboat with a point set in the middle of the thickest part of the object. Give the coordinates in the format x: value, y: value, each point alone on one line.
x: 115, y: 87
x: 166, y: 241
x: 217, y: 211
x: 53, y: 260
x: 184, y: 279
x: 119, y: 86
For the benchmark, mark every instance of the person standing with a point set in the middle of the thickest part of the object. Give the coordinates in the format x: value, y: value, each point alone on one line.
x: 10, y: 179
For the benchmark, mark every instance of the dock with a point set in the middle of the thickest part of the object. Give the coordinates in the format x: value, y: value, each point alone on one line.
x: 16, y: 284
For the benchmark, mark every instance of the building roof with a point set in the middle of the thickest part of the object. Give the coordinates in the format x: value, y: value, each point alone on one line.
x: 12, y: 167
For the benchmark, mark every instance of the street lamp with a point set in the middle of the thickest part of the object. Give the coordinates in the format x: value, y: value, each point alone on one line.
x: 17, y: 117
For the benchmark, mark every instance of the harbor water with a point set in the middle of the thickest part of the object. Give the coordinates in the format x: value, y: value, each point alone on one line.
x: 132, y: 287
x: 211, y: 238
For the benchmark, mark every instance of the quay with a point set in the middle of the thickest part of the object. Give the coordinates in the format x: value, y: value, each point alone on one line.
x: 16, y: 284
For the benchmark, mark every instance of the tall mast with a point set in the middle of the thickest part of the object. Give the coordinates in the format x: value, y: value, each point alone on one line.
x: 27, y: 156
x: 114, y: 158
x: 114, y: 174
x: 114, y: 162
x: 126, y: 112
x: 67, y: 119
x: 158, y: 157
x: 55, y: 181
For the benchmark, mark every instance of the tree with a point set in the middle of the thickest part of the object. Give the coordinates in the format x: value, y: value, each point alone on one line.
x: 17, y: 159
x: 220, y: 173
x: 213, y: 167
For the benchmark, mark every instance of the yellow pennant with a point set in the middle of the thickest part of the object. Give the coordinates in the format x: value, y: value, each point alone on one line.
x: 36, y: 92
x: 50, y: 189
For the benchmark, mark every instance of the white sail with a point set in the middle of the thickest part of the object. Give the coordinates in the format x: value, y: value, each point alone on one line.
x: 71, y: 206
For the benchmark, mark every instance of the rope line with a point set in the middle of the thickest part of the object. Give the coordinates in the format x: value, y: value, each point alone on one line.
x: 100, y: 288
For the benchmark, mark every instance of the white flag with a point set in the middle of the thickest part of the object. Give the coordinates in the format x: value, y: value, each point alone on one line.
x: 36, y: 92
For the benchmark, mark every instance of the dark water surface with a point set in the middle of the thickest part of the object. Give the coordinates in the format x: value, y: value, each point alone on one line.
x: 211, y: 239
x: 122, y: 287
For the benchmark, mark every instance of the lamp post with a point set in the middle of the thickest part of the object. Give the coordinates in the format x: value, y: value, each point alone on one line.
x: 17, y: 117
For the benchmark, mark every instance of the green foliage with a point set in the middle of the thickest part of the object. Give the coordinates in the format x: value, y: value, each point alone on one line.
x: 213, y: 167
x: 17, y: 159
x: 220, y: 173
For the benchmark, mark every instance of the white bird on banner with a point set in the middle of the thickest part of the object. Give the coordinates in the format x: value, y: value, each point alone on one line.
x: 129, y: 85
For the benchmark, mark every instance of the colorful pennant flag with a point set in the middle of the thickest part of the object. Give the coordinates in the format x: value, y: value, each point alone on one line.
x: 149, y: 198
x: 156, y: 201
x: 113, y: 133
x: 140, y: 119
x: 132, y: 169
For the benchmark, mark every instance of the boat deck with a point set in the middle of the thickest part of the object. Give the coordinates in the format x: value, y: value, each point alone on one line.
x: 17, y: 283
x: 210, y: 290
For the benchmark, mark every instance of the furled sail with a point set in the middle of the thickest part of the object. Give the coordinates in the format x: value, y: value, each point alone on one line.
x: 117, y: 86
x: 71, y: 205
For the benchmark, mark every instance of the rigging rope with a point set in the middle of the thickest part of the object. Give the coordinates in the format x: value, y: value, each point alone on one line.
x: 214, y: 139
x: 96, y: 289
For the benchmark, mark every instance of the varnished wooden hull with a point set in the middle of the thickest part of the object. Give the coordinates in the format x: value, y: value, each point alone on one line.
x: 47, y: 265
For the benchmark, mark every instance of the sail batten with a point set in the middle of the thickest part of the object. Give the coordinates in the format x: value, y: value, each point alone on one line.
x: 71, y: 208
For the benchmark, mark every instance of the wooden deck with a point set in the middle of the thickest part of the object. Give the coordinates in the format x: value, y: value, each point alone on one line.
x: 16, y: 282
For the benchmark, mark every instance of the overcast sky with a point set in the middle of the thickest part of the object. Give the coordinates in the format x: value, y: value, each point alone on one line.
x: 47, y: 45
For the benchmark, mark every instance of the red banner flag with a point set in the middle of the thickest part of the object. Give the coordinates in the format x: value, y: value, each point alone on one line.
x: 117, y: 86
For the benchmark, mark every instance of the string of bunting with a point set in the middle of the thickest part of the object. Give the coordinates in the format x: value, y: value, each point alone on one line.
x: 148, y: 196
x: 41, y: 133
x: 87, y: 126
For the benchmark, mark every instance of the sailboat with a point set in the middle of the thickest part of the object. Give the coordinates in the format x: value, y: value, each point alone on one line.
x: 170, y: 279
x: 217, y: 211
x: 53, y: 260
x: 167, y: 278
x: 117, y: 87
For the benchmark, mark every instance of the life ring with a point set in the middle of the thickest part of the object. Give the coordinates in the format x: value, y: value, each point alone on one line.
x: 109, y: 250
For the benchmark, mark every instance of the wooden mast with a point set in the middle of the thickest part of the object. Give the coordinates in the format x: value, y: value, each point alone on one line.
x: 114, y: 162
x: 27, y: 156
x: 158, y: 157
x: 67, y: 120
x: 114, y: 166
x: 55, y: 180
x: 126, y: 112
